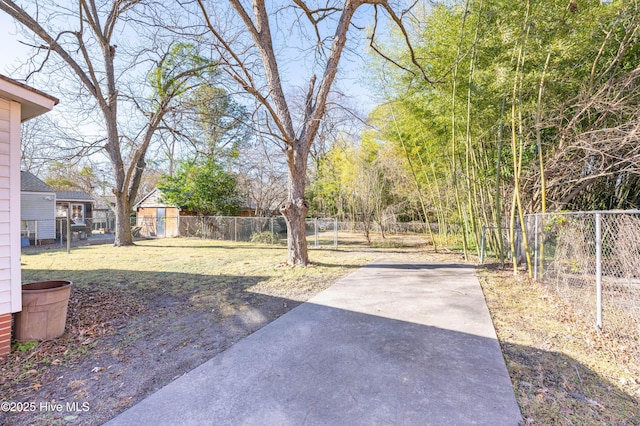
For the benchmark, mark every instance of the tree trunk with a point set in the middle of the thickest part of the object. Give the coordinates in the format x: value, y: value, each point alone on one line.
x: 123, y: 236
x: 454, y: 161
x: 295, y: 210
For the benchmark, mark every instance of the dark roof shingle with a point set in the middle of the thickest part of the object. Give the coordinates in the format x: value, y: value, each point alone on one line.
x: 30, y: 183
x: 72, y: 196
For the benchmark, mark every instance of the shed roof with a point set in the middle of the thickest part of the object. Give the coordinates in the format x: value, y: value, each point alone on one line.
x: 30, y: 183
x: 73, y: 196
x: 152, y: 199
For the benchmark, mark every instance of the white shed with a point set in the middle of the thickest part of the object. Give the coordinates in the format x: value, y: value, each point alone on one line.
x: 18, y: 103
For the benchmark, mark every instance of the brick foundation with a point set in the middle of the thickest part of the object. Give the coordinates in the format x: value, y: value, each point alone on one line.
x: 5, y: 334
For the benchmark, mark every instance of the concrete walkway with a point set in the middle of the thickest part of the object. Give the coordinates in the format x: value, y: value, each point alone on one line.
x: 397, y: 342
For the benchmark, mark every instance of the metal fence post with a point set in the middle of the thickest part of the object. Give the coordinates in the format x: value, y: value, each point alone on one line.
x: 599, y: 270
x: 69, y: 227
x: 315, y: 231
x: 535, y: 249
x: 235, y: 229
x: 335, y: 232
x: 483, y: 240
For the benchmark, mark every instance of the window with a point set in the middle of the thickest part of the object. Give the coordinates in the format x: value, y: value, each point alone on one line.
x: 61, y: 210
x: 77, y: 213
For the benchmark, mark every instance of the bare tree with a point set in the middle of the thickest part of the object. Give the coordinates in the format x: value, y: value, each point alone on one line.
x: 80, y: 41
x: 209, y: 123
x: 365, y: 195
x: 36, y: 147
x: 262, y: 179
x: 259, y: 74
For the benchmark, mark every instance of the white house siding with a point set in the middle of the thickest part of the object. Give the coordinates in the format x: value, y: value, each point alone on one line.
x: 40, y: 207
x: 10, y: 301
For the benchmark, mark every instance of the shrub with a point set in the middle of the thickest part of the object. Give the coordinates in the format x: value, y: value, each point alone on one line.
x: 265, y: 237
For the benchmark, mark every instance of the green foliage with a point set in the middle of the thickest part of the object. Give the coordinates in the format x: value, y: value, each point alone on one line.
x: 220, y: 120
x: 265, y: 237
x: 328, y: 191
x: 24, y: 346
x: 363, y: 183
x: 62, y: 176
x: 202, y: 187
x: 456, y: 131
x: 61, y: 183
x: 183, y: 61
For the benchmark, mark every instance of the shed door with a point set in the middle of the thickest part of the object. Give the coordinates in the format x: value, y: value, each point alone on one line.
x: 160, y: 218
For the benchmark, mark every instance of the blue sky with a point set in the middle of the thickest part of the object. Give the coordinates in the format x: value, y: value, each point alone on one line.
x: 12, y: 52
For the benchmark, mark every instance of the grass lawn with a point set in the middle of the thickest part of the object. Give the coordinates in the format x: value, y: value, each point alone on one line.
x: 184, y: 267
x: 141, y: 316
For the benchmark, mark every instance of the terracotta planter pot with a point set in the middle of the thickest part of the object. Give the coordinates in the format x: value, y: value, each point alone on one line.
x: 44, y: 310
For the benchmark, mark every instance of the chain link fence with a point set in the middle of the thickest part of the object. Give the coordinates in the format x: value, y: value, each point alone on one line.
x: 495, y: 241
x: 272, y: 230
x: 592, y: 260
x: 391, y: 228
x: 320, y: 231
x: 38, y: 232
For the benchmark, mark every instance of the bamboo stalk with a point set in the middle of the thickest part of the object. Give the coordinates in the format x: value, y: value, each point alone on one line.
x: 516, y: 126
x: 454, y: 165
x: 470, y: 175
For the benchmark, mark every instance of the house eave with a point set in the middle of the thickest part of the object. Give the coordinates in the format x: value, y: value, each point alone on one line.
x: 77, y: 201
x: 33, y: 101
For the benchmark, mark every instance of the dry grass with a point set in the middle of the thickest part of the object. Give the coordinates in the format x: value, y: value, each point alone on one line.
x: 124, y: 303
x: 560, y: 369
x: 191, y: 268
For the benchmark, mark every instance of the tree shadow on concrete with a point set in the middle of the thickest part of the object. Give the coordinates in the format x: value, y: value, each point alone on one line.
x: 323, y: 365
x: 317, y: 364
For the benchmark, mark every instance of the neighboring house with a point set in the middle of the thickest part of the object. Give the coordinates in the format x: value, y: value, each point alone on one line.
x: 40, y: 206
x: 104, y: 216
x: 156, y: 218
x: 37, y: 209
x: 18, y: 103
x: 81, y: 207
x: 252, y: 210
